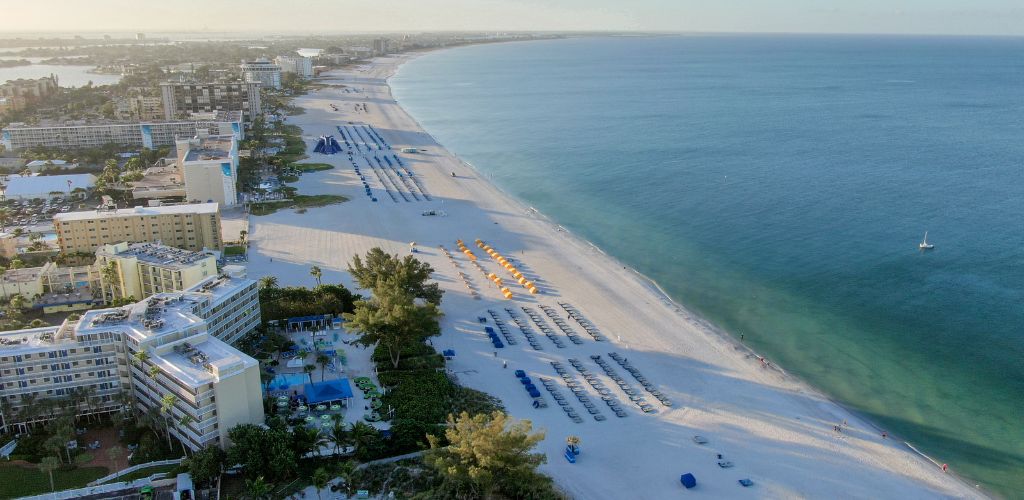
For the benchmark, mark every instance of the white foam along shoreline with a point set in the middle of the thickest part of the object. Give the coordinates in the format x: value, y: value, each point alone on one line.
x: 686, y: 313
x: 775, y: 427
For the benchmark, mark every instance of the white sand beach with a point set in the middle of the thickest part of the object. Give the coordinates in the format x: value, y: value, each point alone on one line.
x: 776, y: 430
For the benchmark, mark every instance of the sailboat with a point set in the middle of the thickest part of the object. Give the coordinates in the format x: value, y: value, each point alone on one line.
x: 924, y: 245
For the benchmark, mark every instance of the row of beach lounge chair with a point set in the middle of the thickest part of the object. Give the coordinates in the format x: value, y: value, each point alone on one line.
x: 500, y: 325
x: 561, y: 324
x: 527, y: 332
x: 581, y: 394
x: 647, y: 385
x: 546, y: 330
x: 633, y: 394
x: 561, y: 401
x: 583, y: 322
x: 604, y: 392
x: 538, y: 400
x: 525, y: 327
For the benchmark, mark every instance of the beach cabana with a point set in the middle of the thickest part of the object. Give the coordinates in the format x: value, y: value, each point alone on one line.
x: 329, y: 391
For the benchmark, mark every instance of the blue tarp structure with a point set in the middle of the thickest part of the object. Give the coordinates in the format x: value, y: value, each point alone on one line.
x: 327, y: 145
x: 331, y: 390
x: 688, y: 480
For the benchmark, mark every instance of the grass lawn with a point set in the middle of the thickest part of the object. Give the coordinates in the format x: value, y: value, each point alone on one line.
x: 234, y: 250
x: 311, y: 167
x: 19, y: 480
x: 148, y: 471
x: 299, y: 201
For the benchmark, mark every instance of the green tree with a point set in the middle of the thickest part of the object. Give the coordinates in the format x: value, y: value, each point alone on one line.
x: 206, y: 464
x: 309, y: 369
x: 316, y: 273
x: 407, y: 274
x: 320, y: 480
x: 339, y: 435
x: 257, y: 488
x: 262, y: 452
x: 167, y: 411
x: 48, y: 465
x: 268, y: 282
x: 323, y: 360
x: 485, y: 453
x: 367, y: 441
x: 391, y: 319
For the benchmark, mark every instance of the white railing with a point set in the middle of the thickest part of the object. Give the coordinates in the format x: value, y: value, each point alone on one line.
x: 129, y: 470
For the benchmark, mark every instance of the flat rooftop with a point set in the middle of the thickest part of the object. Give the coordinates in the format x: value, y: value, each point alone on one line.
x: 163, y: 255
x: 190, y: 208
x: 211, y: 148
x: 156, y: 316
x: 199, y: 363
x: 23, y: 275
x: 19, y: 341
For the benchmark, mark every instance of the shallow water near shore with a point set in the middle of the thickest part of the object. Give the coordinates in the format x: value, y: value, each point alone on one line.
x: 779, y: 186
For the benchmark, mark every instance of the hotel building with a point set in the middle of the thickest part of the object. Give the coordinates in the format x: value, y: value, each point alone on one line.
x: 191, y: 226
x: 149, y: 135
x: 170, y: 350
x: 144, y: 269
x: 209, y: 166
x: 263, y: 71
x: 179, y: 99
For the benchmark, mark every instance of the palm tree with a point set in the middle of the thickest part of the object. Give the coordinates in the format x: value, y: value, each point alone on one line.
x: 154, y: 371
x: 316, y: 273
x: 339, y: 435
x: 320, y: 480
x: 268, y: 282
x: 309, y: 369
x: 166, y: 409
x: 141, y: 357
x: 5, y: 217
x: 183, y: 424
x: 48, y: 465
x: 257, y: 488
x: 323, y: 360
x: 109, y: 276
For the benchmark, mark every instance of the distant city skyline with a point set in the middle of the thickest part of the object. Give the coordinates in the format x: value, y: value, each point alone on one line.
x: 954, y: 17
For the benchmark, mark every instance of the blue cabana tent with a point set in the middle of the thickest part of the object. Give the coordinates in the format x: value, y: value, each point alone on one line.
x: 330, y: 390
x: 688, y: 480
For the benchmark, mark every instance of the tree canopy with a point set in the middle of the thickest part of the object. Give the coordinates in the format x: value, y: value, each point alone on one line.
x: 407, y: 274
x: 391, y: 319
x: 487, y: 454
x: 263, y: 452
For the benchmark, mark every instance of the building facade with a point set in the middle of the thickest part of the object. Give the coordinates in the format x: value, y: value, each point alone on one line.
x: 209, y: 166
x: 263, y: 71
x: 138, y: 107
x: 300, y: 65
x: 143, y: 269
x: 179, y: 98
x: 162, y: 352
x: 149, y: 135
x: 29, y: 89
x: 191, y: 227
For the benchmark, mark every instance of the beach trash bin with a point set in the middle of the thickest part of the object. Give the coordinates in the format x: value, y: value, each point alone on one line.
x: 688, y: 480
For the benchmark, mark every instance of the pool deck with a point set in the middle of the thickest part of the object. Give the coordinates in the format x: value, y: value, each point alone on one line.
x: 357, y: 364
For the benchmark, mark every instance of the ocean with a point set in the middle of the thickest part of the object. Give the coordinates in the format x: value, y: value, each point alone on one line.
x: 779, y: 186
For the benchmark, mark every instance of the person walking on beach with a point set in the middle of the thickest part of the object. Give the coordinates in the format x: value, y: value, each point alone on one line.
x: 504, y: 364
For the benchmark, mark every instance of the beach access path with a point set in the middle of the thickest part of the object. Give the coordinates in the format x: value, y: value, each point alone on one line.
x: 776, y: 430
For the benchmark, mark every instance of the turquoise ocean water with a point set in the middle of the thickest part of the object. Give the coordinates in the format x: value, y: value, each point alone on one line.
x: 779, y: 186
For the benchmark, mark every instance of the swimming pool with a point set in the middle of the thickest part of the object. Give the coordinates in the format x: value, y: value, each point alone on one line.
x: 283, y: 381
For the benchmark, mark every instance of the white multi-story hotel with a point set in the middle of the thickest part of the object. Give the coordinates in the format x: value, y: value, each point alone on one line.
x: 263, y: 71
x: 209, y: 166
x: 300, y: 65
x: 168, y: 354
x: 150, y: 135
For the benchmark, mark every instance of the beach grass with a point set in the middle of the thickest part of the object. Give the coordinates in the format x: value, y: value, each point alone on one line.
x: 311, y: 167
x: 234, y: 250
x: 300, y: 202
x: 18, y: 480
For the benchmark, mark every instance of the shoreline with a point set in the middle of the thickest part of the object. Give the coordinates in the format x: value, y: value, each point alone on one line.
x: 686, y: 313
x: 708, y: 352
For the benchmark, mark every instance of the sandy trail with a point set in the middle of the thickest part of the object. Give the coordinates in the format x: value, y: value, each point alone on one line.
x: 776, y: 430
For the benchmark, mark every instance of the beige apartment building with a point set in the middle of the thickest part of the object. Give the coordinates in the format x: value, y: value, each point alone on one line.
x: 144, y: 269
x: 191, y: 227
x: 168, y: 347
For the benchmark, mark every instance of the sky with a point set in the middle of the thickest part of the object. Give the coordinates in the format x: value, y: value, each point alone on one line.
x: 955, y: 17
